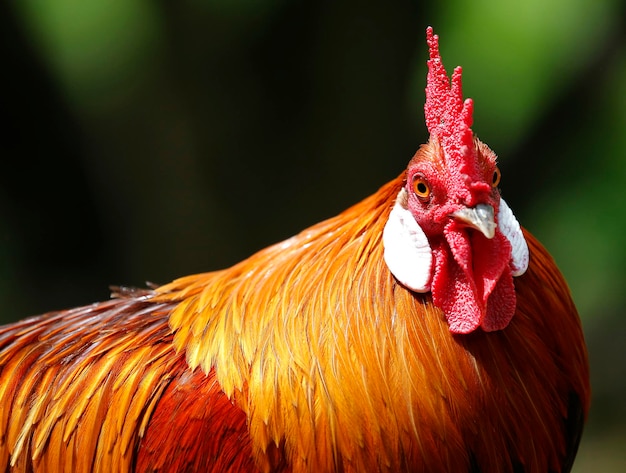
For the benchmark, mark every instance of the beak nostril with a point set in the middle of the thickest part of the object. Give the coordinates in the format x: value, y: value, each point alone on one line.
x: 480, y: 217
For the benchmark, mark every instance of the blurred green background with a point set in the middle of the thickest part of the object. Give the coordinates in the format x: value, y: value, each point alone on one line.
x: 147, y: 140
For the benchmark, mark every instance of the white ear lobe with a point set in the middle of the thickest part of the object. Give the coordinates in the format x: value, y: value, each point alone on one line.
x: 407, y: 252
x: 510, y: 228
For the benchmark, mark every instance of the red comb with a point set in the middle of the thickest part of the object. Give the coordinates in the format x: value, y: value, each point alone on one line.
x: 448, y: 117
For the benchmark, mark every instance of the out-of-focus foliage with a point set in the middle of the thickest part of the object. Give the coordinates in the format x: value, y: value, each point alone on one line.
x: 520, y: 57
x: 147, y: 140
x: 94, y: 49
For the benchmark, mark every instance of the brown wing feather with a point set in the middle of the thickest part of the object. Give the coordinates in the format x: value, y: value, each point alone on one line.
x: 80, y: 390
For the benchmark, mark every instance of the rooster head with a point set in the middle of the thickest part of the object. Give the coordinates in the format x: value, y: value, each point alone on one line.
x: 450, y: 232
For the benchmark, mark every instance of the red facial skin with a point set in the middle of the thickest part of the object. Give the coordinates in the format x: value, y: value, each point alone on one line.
x: 472, y: 281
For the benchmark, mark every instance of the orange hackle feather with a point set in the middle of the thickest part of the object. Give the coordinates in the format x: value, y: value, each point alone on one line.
x: 306, y: 357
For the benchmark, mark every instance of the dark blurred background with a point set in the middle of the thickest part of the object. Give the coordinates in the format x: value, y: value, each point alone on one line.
x: 148, y: 140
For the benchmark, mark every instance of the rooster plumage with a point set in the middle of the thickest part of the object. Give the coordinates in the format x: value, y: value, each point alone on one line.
x: 311, y: 356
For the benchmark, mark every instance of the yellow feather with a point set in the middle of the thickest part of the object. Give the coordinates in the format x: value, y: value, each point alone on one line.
x: 150, y: 385
x: 89, y: 388
x: 37, y: 406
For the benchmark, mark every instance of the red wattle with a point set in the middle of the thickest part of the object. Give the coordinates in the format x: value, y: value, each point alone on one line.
x: 472, y: 281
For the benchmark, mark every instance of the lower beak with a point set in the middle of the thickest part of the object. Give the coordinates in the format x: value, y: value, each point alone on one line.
x: 480, y: 218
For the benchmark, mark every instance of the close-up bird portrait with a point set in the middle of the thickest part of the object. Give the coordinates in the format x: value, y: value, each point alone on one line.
x: 419, y: 326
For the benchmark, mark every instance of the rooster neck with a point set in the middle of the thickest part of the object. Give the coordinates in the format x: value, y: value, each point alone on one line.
x: 287, y: 330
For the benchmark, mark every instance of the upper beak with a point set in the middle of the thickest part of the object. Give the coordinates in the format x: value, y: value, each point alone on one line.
x: 480, y: 217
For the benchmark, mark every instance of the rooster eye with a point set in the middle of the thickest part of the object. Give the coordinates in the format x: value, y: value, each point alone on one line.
x: 421, y: 188
x: 495, y: 180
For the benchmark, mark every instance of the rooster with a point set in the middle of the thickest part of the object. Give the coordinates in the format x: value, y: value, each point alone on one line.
x: 421, y: 330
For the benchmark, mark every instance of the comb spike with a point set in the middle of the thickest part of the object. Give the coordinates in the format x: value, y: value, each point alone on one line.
x: 448, y: 116
x: 438, y: 84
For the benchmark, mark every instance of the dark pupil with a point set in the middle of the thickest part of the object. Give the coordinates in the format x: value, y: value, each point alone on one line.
x: 421, y: 188
x: 495, y: 177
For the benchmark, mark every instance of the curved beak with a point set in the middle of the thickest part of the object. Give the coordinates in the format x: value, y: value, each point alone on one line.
x: 480, y: 218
